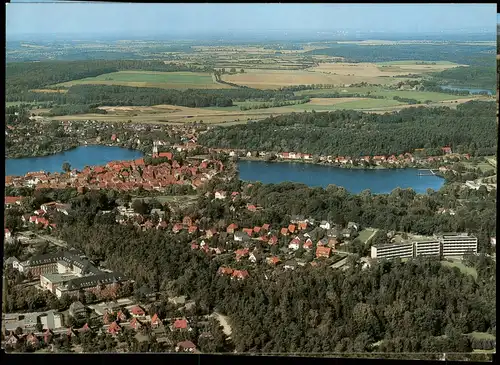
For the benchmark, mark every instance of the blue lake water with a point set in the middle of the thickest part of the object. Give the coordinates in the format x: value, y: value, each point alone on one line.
x: 471, y: 90
x: 78, y: 158
x: 379, y: 181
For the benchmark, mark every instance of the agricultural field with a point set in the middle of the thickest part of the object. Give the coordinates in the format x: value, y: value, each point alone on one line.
x: 464, y: 269
x: 335, y: 73
x: 163, y: 80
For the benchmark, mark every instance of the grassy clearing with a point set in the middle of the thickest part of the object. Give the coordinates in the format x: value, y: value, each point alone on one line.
x: 178, y: 200
x: 482, y: 336
x: 365, y: 234
x: 483, y: 166
x: 464, y: 269
x: 164, y: 80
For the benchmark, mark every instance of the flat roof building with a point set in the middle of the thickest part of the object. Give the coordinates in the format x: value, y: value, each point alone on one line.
x: 458, y: 245
x: 392, y: 250
x: 427, y: 248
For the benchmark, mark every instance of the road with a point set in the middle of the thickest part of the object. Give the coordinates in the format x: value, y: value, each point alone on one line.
x: 53, y: 240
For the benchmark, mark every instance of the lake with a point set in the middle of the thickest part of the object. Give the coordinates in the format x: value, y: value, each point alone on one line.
x: 78, y: 158
x: 379, y: 181
x: 471, y: 90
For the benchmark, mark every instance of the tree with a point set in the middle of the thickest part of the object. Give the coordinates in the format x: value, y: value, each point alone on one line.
x: 140, y: 206
x: 233, y: 70
x: 242, y: 71
x: 66, y: 167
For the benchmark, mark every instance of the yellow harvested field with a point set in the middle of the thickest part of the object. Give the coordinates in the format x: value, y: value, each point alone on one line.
x: 60, y: 91
x: 332, y: 101
x: 325, y: 73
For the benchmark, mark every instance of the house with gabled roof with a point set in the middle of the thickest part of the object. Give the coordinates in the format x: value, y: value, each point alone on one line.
x: 185, y: 346
x: 231, y: 228
x: 266, y: 227
x: 114, y: 328
x: 240, y: 274
x: 180, y: 325
x: 273, y: 260
x: 156, y: 321
x: 284, y: 231
x: 240, y: 253
x: 294, y: 244
x: 322, y: 251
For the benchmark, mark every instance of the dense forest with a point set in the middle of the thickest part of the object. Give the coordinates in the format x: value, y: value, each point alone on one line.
x: 22, y: 76
x: 461, y: 54
x: 357, y: 134
x: 473, y: 76
x: 417, y: 306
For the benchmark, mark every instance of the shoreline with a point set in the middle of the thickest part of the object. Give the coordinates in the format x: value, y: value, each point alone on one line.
x: 73, y: 148
x: 342, y: 166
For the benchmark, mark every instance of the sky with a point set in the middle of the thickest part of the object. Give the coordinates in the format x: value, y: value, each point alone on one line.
x: 42, y: 17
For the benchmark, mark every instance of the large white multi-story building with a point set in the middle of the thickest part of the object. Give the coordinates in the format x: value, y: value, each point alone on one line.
x: 447, y: 245
x: 392, y: 250
x: 427, y: 248
x: 458, y: 245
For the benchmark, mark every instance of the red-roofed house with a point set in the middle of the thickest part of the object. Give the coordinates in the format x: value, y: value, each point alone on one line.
x: 273, y: 240
x: 135, y: 324
x: 241, y: 253
x: 265, y: 227
x: 302, y: 226
x: 114, y: 328
x: 165, y: 155
x: 308, y: 244
x: 177, y: 227
x: 251, y: 208
x: 248, y: 231
x: 210, y: 232
x: 240, y: 274
x: 231, y: 228
x: 192, y: 229
x: 156, y: 321
x: 225, y: 271
x: 185, y: 346
x: 284, y: 231
x: 12, y: 200
x: 322, y: 251
x: 180, y: 324
x: 137, y: 311
x: 187, y: 221
x: 273, y: 260
x: 291, y: 228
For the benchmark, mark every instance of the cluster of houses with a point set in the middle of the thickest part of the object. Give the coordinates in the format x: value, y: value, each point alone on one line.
x: 401, y: 159
x: 114, y: 322
x: 124, y: 175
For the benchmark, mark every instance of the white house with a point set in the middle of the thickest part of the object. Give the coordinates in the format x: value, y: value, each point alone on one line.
x: 7, y: 234
x: 220, y: 195
x: 294, y: 244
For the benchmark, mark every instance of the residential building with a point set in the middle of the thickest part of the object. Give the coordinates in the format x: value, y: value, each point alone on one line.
x: 458, y: 245
x: 427, y: 248
x: 392, y: 250
x: 322, y: 251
